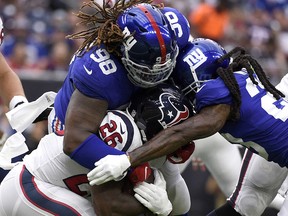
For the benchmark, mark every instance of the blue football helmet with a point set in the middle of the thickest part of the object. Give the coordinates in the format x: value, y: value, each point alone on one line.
x: 159, y: 107
x: 197, y: 63
x: 149, y: 48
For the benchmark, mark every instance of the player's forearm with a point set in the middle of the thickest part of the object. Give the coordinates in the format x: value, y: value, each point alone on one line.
x: 10, y: 84
x: 166, y: 142
x: 204, y: 124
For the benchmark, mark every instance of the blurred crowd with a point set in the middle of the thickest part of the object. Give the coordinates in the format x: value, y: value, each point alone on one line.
x: 35, y: 30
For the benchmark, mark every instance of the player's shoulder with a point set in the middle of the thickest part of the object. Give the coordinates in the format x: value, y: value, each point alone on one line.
x: 210, y: 87
x: 98, y: 69
x: 179, y: 24
x: 212, y: 92
x: 97, y: 61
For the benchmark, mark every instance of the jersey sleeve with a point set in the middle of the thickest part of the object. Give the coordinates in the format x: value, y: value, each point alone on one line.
x: 102, y: 78
x: 211, y: 93
x: 179, y: 24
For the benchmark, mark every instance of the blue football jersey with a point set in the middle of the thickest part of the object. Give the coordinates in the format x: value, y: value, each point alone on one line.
x: 101, y: 75
x: 96, y: 74
x: 263, y: 123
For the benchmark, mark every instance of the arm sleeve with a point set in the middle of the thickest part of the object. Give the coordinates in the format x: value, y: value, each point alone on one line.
x: 92, y: 150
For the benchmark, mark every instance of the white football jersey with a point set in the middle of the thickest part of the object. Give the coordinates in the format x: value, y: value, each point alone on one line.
x: 50, y: 164
x: 53, y: 172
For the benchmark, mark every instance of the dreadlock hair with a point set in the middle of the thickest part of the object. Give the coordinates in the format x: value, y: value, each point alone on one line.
x: 243, y: 60
x: 102, y: 26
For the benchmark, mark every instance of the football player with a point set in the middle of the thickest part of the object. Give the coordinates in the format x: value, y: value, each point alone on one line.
x: 11, y: 90
x: 143, y: 42
x: 240, y: 102
x: 261, y: 181
x: 148, y: 57
x: 50, y: 182
x: 136, y: 48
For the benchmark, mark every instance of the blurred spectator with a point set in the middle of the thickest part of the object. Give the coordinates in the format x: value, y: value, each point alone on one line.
x: 18, y: 57
x: 210, y: 21
x: 37, y: 26
x: 60, y: 56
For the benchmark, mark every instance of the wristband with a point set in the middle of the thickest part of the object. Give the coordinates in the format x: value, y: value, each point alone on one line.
x: 92, y: 150
x: 17, y: 100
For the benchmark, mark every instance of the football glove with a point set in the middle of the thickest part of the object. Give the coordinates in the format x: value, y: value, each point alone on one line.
x: 111, y: 167
x: 154, y: 196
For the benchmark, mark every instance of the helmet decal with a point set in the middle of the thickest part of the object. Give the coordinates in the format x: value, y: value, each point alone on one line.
x: 171, y: 110
x: 157, y: 108
x: 157, y: 30
x: 117, y: 134
x: 130, y: 41
x: 195, y: 59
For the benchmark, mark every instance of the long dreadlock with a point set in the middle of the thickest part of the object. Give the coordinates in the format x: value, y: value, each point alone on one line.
x: 102, y: 27
x: 243, y: 60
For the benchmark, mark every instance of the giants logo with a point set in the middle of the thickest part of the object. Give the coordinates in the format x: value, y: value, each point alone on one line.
x: 129, y: 40
x: 172, y: 111
x: 195, y: 58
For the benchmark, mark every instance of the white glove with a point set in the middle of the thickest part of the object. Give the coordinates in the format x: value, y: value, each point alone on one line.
x: 111, y: 167
x: 154, y: 196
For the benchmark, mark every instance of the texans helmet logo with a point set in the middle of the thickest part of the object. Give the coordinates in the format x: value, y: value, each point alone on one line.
x: 172, y: 111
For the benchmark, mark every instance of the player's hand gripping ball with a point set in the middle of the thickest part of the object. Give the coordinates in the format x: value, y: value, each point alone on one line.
x: 142, y: 173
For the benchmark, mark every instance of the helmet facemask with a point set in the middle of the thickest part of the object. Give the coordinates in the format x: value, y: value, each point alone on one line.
x: 145, y: 76
x: 149, y: 49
